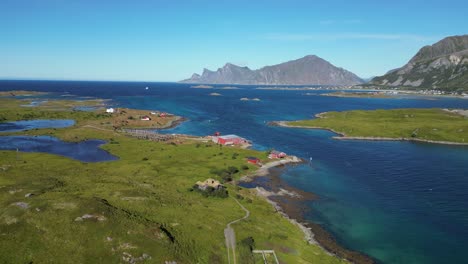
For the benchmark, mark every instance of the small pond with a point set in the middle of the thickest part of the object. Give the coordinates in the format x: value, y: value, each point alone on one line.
x: 85, y: 151
x: 32, y: 124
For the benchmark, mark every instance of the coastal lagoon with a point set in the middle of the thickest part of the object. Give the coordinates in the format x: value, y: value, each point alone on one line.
x: 85, y: 151
x: 399, y: 202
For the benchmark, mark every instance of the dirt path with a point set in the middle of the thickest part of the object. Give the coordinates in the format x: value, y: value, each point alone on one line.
x: 230, y: 235
x: 98, y: 128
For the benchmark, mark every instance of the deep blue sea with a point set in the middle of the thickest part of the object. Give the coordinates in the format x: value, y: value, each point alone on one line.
x: 399, y: 202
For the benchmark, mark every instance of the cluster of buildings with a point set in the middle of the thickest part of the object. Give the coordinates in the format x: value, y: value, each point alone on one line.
x: 142, y: 118
x: 148, y: 118
x: 272, y: 155
x: 232, y: 140
x: 438, y: 92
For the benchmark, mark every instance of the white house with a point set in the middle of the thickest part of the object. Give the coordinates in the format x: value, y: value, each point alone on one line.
x: 110, y: 110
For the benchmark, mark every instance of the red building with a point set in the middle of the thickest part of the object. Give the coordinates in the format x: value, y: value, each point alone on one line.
x: 253, y: 160
x: 276, y: 155
x: 229, y: 140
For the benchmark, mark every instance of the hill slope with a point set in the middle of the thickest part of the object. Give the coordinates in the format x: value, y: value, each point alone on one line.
x: 442, y: 66
x: 307, y: 70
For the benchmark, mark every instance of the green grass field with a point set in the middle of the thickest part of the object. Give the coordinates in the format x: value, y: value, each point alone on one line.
x: 141, y: 206
x: 423, y: 124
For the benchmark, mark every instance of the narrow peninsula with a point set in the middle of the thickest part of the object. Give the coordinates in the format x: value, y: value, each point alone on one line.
x: 441, y: 126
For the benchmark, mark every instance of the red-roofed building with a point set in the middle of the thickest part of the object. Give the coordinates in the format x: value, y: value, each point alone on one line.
x: 253, y: 160
x: 276, y: 155
x: 229, y: 140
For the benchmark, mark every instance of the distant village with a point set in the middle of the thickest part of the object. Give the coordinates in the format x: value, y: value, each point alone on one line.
x: 395, y: 91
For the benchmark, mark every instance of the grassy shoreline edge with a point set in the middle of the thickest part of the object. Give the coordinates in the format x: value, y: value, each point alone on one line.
x: 344, y: 136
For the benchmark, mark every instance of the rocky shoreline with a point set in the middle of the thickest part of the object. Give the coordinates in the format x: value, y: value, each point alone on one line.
x: 264, y: 169
x: 287, y: 201
x: 175, y: 123
x: 308, y: 234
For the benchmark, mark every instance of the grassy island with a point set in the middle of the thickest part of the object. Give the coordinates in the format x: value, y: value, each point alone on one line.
x: 430, y: 125
x: 138, y: 209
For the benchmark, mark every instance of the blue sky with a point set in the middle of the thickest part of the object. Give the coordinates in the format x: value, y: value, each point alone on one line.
x: 168, y: 40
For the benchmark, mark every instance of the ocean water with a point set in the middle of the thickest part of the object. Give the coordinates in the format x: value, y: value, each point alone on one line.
x: 399, y: 202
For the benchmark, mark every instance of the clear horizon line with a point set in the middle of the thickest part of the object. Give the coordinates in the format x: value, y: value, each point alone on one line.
x: 78, y: 80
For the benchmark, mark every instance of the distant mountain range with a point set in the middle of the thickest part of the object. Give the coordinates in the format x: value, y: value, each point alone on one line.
x: 442, y: 66
x: 309, y: 70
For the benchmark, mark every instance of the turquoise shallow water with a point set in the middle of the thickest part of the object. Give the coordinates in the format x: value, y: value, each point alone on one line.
x: 399, y: 202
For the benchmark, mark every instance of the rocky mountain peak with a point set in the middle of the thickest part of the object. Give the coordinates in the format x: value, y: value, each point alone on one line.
x: 446, y: 46
x: 310, y: 69
x: 441, y: 66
